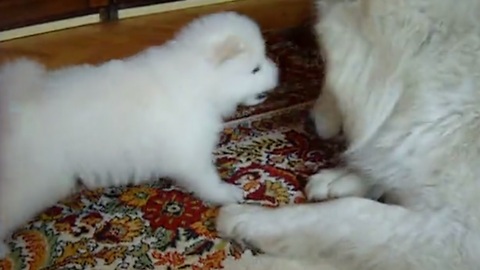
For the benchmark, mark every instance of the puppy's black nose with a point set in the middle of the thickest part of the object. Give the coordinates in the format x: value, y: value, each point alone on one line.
x: 262, y: 95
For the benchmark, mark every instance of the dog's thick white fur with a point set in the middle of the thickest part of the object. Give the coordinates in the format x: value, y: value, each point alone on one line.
x: 158, y: 113
x: 403, y: 80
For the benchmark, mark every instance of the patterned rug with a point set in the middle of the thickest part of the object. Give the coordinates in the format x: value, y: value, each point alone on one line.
x: 268, y: 150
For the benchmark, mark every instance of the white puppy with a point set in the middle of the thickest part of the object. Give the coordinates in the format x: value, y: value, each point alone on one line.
x: 404, y: 83
x: 155, y: 114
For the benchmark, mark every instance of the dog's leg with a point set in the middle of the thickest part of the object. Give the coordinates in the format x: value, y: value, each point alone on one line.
x: 326, y: 115
x: 3, y: 245
x: 335, y: 183
x: 354, y: 233
x: 25, y: 191
x: 203, y: 180
x: 3, y: 250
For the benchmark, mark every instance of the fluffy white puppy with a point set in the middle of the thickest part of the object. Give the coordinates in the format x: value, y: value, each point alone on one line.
x: 155, y: 114
x: 404, y: 83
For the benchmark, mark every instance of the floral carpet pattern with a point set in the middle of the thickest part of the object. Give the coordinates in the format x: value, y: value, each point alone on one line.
x: 268, y: 150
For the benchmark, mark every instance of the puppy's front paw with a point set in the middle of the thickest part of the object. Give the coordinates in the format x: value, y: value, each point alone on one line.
x: 333, y: 184
x: 224, y: 194
x: 230, y: 194
x: 325, y: 126
x: 326, y: 116
x: 3, y: 250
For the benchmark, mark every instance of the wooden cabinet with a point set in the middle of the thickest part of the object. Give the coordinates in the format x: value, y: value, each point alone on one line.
x: 136, y: 3
x: 19, y: 13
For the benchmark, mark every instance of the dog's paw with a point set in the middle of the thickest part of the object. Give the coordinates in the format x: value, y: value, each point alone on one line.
x: 256, y: 227
x: 236, y: 221
x: 333, y: 184
x: 224, y: 194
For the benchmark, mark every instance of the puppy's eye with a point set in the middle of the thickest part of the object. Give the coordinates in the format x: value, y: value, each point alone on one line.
x: 255, y: 70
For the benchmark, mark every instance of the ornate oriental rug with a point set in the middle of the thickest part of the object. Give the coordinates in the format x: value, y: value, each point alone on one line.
x: 269, y: 150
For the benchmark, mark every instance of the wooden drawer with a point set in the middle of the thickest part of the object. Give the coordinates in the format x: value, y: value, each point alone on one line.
x: 19, y: 13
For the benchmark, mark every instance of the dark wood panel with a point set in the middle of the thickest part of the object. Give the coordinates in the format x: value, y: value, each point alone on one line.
x: 19, y: 13
x: 97, y: 43
x: 137, y: 3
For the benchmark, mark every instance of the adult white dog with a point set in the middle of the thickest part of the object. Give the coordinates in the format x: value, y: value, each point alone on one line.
x: 404, y: 83
x: 155, y: 114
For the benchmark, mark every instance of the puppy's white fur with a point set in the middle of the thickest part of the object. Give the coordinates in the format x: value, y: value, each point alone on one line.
x: 155, y: 114
x: 405, y: 80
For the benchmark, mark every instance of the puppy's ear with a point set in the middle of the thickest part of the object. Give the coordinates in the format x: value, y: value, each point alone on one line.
x: 227, y: 49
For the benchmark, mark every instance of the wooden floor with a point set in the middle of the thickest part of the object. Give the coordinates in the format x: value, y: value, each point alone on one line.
x: 97, y: 43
